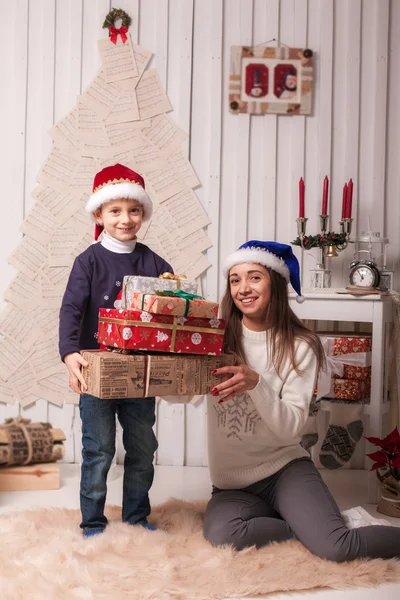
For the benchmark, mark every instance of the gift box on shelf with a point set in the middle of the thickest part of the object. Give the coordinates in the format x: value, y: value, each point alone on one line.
x: 132, y: 329
x: 178, y: 303
x: 114, y: 375
x: 348, y: 357
x: 350, y: 389
x: 150, y: 285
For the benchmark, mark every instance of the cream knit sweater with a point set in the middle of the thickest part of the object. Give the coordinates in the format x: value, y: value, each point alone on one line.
x: 257, y: 433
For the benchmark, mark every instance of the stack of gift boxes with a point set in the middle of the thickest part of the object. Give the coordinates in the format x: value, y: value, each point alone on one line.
x: 167, y: 341
x: 348, y: 365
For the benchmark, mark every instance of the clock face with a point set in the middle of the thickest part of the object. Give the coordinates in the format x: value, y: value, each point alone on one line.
x: 364, y: 276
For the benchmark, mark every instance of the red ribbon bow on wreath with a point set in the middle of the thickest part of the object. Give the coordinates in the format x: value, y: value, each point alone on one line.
x: 114, y: 34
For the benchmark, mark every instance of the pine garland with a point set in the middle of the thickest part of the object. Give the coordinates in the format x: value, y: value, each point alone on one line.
x: 113, y: 15
x: 319, y: 241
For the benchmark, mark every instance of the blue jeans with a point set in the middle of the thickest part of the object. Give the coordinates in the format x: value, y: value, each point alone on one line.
x: 137, y: 417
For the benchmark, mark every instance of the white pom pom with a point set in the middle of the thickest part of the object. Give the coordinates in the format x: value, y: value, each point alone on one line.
x: 300, y: 299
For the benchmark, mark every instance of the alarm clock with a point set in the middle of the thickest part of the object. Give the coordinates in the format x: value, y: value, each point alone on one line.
x: 364, y: 273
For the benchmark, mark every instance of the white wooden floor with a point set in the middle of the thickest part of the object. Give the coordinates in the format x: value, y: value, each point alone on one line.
x: 192, y: 483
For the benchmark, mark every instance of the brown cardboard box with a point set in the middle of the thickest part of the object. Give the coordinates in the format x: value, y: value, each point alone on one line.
x: 115, y: 375
x: 45, y: 476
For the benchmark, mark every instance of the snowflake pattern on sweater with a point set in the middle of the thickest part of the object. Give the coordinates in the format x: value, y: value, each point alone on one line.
x: 238, y: 416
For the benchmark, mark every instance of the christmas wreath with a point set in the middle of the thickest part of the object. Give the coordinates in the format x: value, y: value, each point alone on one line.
x: 113, y: 15
x: 319, y: 241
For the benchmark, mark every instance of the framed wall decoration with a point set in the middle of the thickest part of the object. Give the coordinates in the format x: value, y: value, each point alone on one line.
x: 274, y: 80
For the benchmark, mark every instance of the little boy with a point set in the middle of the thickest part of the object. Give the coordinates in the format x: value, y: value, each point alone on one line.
x: 119, y: 204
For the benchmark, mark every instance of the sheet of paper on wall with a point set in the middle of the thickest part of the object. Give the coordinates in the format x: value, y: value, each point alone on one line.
x: 101, y: 96
x: 84, y: 175
x: 182, y: 166
x: 61, y: 205
x: 163, y: 183
x: 17, y: 325
x: 167, y: 245
x: 61, y: 246
x: 191, y: 266
x: 161, y: 215
x: 149, y: 158
x: 54, y: 388
x: 187, y: 212
x: 124, y: 137
x: 22, y: 381
x: 45, y: 360
x: 151, y: 97
x: 126, y: 108
x: 84, y: 242
x: 23, y: 292
x: 118, y: 59
x: 12, y: 357
x: 142, y: 57
x: 47, y: 319
x: 195, y: 243
x: 28, y: 257
x: 58, y: 170
x: 165, y: 134
x: 65, y: 133
x: 71, y: 397
x: 80, y: 222
x: 7, y: 392
x: 39, y: 224
x: 51, y: 295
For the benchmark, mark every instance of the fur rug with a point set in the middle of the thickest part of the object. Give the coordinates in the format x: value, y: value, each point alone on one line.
x: 45, y: 556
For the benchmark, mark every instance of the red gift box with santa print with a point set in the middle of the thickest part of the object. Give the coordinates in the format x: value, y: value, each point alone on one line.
x: 139, y: 330
x: 356, y: 346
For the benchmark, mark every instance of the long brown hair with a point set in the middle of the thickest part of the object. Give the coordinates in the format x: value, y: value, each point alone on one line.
x: 285, y: 328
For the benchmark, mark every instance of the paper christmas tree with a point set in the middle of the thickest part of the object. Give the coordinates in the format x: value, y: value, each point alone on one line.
x: 122, y: 117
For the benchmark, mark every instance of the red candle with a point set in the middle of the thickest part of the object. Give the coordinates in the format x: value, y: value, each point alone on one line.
x: 325, y: 197
x: 301, y: 198
x: 344, y: 202
x: 349, y: 198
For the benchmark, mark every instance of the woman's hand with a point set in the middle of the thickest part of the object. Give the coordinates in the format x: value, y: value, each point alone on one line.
x: 74, y: 361
x: 243, y: 379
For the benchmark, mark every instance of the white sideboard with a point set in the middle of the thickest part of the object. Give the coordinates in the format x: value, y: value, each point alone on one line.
x: 375, y: 309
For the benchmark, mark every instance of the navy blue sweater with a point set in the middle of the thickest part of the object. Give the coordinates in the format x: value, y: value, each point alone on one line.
x: 95, y: 281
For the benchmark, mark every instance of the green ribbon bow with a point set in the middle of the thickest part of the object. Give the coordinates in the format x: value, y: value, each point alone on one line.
x: 176, y: 294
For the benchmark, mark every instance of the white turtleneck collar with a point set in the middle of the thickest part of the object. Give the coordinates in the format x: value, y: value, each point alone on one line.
x: 117, y: 246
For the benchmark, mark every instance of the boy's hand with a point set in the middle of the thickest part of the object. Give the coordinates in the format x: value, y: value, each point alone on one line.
x: 74, y: 361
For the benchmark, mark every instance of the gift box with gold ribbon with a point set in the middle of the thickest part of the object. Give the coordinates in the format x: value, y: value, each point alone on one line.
x: 178, y: 303
x: 140, y: 330
x: 151, y: 285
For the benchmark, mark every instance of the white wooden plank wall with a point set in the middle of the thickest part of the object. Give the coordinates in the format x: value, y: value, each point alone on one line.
x: 249, y: 167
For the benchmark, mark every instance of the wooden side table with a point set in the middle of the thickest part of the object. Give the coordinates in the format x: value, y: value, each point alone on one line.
x: 330, y: 306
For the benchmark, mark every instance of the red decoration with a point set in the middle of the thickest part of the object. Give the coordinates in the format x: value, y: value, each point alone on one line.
x: 138, y: 330
x: 281, y: 73
x: 344, y: 202
x: 301, y: 198
x: 389, y: 455
x: 325, y: 197
x: 349, y: 198
x: 122, y: 31
x: 256, y: 80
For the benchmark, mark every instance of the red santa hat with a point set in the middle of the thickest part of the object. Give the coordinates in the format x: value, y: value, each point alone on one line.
x: 115, y: 182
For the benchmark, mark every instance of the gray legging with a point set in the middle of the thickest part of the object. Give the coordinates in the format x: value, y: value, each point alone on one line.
x: 294, y: 504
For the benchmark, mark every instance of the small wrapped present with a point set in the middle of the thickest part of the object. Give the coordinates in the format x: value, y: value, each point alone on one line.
x: 23, y: 443
x: 150, y: 285
x: 350, y: 389
x: 178, y: 303
x: 347, y: 358
x: 139, y: 330
x: 113, y: 375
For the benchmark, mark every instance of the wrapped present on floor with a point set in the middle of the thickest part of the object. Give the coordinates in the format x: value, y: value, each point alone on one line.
x: 23, y: 443
x: 348, y: 357
x: 131, y: 329
x: 349, y: 389
x: 178, y: 303
x: 150, y: 285
x: 114, y: 375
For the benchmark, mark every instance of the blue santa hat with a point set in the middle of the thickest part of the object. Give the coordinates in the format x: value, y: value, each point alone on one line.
x: 278, y: 257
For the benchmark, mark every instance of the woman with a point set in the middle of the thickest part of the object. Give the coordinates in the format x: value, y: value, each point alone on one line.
x: 265, y: 486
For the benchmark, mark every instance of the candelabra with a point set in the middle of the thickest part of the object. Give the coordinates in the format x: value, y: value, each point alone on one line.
x: 321, y: 276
